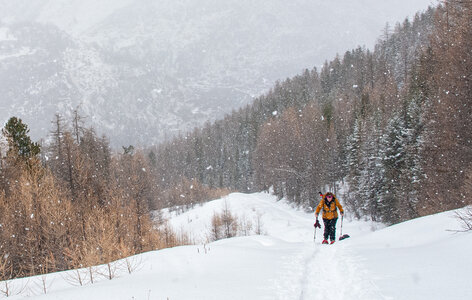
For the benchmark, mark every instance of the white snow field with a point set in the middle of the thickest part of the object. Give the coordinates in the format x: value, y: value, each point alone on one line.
x: 420, y: 259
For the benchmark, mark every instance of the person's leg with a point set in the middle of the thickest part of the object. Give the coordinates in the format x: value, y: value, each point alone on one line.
x: 326, y: 228
x: 332, y: 229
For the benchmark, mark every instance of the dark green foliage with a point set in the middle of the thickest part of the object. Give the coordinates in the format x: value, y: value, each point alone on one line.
x: 152, y: 158
x: 128, y: 150
x: 19, y: 143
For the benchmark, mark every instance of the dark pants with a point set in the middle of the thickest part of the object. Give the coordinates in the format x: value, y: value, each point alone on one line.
x: 330, y: 228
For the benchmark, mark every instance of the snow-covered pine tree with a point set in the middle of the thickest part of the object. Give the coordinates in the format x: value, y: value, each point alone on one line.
x: 393, y: 164
x: 354, y: 168
x: 372, y: 173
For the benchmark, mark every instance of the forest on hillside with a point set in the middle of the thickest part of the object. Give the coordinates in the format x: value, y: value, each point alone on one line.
x: 73, y: 203
x: 391, y: 124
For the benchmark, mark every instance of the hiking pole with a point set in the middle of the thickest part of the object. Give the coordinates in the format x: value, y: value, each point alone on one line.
x: 314, y: 237
x: 317, y: 223
x: 345, y: 236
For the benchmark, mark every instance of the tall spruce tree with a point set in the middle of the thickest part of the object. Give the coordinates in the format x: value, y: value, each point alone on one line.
x: 19, y: 142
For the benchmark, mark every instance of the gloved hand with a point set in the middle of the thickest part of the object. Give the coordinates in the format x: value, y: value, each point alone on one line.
x: 317, y: 224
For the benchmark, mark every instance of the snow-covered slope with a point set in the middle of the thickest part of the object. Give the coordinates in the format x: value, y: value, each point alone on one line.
x: 142, y: 70
x: 419, y: 259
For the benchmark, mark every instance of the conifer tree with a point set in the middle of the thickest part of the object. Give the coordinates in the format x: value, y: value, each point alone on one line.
x: 353, y: 167
x: 19, y: 142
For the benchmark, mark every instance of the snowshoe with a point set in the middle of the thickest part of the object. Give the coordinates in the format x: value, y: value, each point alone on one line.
x: 332, y: 242
x: 324, y: 242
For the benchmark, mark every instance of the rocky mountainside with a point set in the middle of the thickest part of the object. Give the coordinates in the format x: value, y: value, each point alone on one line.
x: 142, y: 70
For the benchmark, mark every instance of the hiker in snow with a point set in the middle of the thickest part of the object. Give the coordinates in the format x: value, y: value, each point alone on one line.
x: 329, y: 204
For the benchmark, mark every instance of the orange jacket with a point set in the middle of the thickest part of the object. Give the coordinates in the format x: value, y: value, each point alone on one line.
x: 329, y: 210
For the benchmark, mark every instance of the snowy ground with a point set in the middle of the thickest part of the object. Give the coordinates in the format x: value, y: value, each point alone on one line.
x: 420, y: 259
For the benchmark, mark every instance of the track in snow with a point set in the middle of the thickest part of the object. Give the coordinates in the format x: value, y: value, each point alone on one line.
x: 307, y: 270
x: 325, y: 272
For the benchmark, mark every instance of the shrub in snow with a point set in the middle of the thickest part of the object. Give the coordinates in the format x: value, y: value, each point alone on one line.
x: 465, y: 217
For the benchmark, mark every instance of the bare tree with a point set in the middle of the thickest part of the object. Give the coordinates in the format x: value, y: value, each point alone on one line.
x: 465, y: 218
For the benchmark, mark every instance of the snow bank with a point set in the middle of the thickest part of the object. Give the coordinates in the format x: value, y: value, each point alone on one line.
x: 419, y: 259
x: 425, y: 258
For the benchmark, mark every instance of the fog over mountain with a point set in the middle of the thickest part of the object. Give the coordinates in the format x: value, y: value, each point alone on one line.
x: 143, y: 70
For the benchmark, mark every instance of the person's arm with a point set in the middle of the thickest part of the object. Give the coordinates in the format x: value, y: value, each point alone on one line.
x: 341, y: 210
x: 318, y: 209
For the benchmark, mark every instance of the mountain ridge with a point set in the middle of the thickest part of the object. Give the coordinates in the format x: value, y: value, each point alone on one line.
x: 143, y: 71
